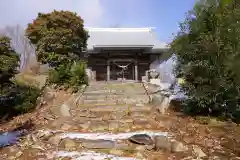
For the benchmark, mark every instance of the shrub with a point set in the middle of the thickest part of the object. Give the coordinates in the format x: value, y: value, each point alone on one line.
x: 208, y: 50
x: 78, y: 75
x: 71, y: 75
x: 17, y: 98
x: 60, y: 75
x: 9, y: 61
x: 26, y: 98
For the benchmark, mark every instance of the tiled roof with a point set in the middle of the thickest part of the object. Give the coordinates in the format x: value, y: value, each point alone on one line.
x: 123, y: 37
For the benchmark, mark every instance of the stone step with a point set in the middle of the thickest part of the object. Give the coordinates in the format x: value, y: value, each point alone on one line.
x: 114, y: 102
x: 98, y: 103
x: 113, y: 155
x: 114, y: 108
x: 95, y: 97
x: 115, y: 88
x: 112, y: 97
x: 94, y: 90
x: 114, y: 93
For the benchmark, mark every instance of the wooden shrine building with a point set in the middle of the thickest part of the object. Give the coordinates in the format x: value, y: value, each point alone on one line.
x: 123, y: 53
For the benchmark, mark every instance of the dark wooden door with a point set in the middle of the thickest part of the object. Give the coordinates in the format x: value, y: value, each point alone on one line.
x: 117, y: 71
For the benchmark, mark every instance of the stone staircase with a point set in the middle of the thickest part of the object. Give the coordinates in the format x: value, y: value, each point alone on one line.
x: 111, y: 93
x: 102, y: 126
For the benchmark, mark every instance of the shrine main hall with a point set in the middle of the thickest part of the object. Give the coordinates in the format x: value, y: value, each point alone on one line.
x: 123, y: 53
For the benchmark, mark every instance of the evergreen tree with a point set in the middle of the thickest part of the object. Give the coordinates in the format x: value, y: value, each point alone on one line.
x: 208, y: 50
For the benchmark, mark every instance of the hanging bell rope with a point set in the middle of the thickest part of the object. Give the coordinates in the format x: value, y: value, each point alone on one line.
x: 123, y: 67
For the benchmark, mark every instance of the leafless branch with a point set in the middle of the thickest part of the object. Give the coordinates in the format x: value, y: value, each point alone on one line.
x: 22, y: 45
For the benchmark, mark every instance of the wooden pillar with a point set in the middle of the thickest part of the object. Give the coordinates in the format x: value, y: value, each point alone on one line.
x: 108, y: 70
x: 136, y: 69
x: 133, y: 72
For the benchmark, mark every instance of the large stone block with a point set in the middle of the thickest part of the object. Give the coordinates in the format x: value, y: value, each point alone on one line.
x: 157, y: 99
x: 155, y: 81
x: 161, y: 102
x: 145, y: 79
x: 90, y: 74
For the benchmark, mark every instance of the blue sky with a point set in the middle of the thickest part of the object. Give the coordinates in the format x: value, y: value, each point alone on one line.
x: 162, y: 14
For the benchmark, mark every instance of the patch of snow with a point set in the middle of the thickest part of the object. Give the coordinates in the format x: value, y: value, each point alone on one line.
x: 9, y: 138
x: 167, y: 80
x: 109, y: 136
x: 166, y: 70
x: 177, y: 93
x: 164, y: 86
x: 90, y: 156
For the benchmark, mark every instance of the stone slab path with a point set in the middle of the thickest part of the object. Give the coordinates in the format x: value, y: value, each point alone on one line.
x: 100, y: 93
x: 98, y: 125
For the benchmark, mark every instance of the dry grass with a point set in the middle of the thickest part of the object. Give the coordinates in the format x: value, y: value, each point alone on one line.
x: 32, y: 79
x: 38, y: 116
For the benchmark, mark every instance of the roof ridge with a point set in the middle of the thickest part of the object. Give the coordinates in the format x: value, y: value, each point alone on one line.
x: 121, y: 29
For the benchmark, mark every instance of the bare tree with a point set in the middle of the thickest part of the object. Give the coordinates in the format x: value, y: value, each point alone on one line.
x: 22, y: 45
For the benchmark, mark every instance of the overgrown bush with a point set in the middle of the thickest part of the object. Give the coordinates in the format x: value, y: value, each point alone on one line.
x: 26, y: 97
x: 78, y: 74
x: 15, y: 98
x: 60, y: 75
x: 208, y: 50
x: 9, y: 61
x: 71, y: 75
x: 18, y: 98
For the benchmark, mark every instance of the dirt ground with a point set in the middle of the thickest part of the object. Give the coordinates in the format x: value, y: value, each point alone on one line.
x: 218, y: 140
